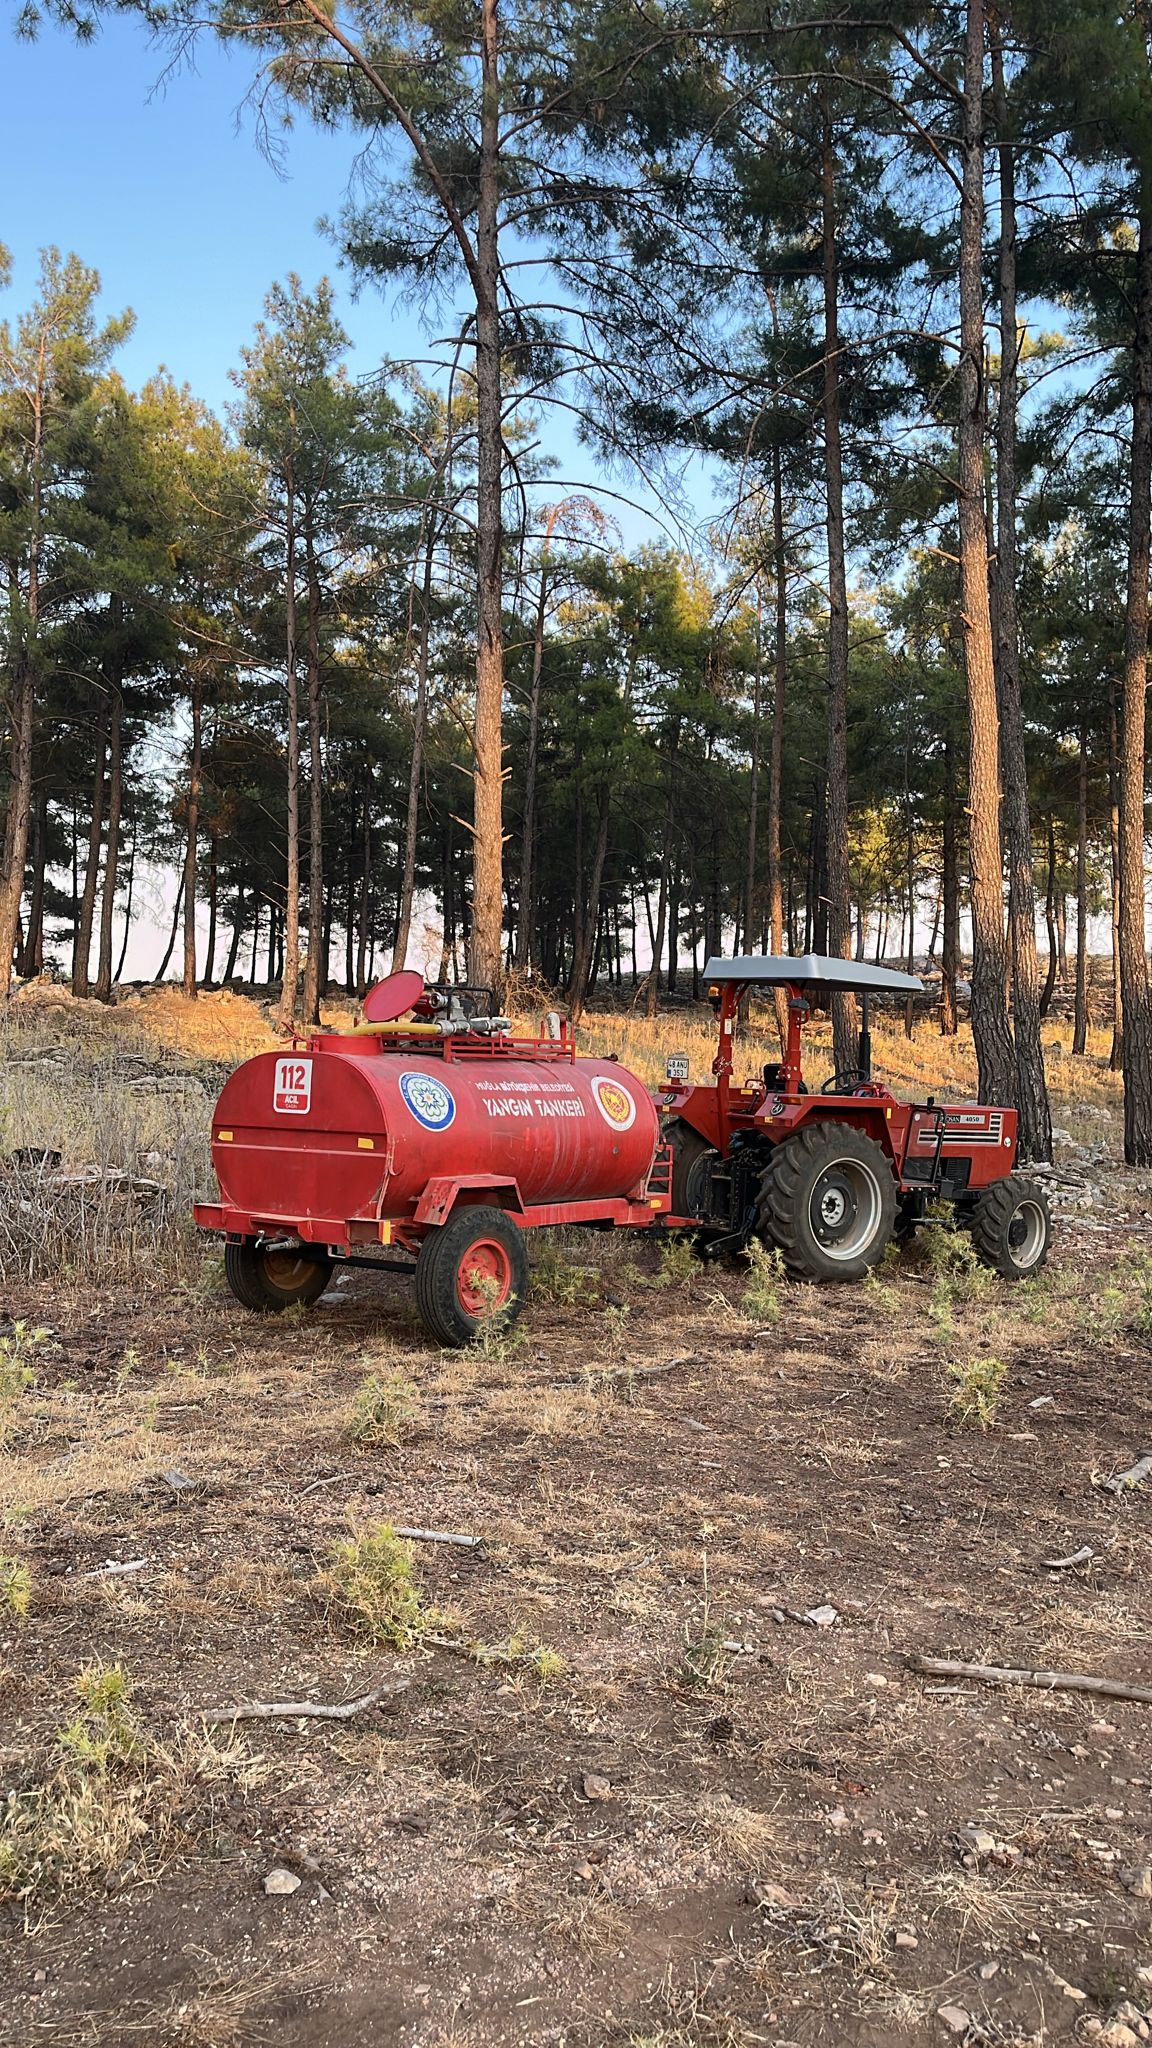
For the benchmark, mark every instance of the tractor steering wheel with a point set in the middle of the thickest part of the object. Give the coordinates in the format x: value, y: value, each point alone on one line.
x: 843, y: 1084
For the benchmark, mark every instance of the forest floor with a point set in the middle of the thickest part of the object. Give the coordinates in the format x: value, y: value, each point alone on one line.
x: 631, y: 1794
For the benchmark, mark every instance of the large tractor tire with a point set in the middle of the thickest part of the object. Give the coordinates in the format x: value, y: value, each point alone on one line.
x: 1011, y: 1226
x: 470, y: 1271
x: 828, y: 1202
x: 268, y: 1278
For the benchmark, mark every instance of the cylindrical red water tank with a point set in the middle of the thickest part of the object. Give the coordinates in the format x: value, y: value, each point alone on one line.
x: 351, y: 1128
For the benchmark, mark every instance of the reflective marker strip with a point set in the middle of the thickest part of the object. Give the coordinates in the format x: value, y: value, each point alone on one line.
x: 223, y: 1137
x: 365, y: 1144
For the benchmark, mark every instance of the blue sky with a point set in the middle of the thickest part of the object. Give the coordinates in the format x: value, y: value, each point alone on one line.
x: 155, y: 178
x: 149, y: 179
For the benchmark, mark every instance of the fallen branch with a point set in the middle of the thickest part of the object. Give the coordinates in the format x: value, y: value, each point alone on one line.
x: 298, y: 1710
x: 1084, y: 1555
x: 1124, y: 1482
x: 1047, y: 1681
x: 438, y: 1536
x: 330, y: 1481
x: 591, y: 1376
x: 112, y: 1570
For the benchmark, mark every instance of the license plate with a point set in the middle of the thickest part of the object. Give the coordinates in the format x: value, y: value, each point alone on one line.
x: 679, y: 1066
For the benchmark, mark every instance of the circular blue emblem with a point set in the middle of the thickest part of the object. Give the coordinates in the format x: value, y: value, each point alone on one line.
x: 431, y: 1103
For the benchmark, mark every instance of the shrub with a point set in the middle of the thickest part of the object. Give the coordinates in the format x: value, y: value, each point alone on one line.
x: 384, y: 1406
x: 15, y: 1588
x: 370, y: 1575
x: 765, y: 1275
x: 977, y: 1391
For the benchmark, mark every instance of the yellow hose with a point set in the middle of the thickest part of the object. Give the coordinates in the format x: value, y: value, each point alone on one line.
x: 392, y: 1031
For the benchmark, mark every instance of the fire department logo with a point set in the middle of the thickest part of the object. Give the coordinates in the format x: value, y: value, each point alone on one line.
x: 430, y: 1102
x: 615, y: 1104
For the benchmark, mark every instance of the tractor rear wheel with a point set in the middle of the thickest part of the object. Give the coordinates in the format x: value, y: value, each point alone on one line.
x: 828, y: 1202
x: 470, y: 1271
x: 1012, y: 1226
x: 268, y: 1278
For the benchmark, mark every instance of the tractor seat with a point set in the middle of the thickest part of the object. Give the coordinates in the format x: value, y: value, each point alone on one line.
x: 774, y: 1078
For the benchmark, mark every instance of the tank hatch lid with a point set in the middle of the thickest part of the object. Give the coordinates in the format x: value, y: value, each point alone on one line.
x: 814, y: 970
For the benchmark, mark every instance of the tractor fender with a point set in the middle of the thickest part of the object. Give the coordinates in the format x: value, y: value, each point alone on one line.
x: 698, y: 1109
x: 445, y: 1192
x: 871, y: 1115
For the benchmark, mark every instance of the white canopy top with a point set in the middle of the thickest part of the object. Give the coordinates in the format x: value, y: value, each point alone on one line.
x: 816, y: 970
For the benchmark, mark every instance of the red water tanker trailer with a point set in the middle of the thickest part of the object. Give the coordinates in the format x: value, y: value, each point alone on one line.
x: 441, y: 1138
x: 433, y: 1133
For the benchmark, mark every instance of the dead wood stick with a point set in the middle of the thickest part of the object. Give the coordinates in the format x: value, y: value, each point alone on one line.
x: 622, y: 1372
x: 1084, y: 1555
x: 438, y: 1536
x: 1047, y: 1681
x: 298, y: 1710
x: 1124, y: 1482
x: 329, y: 1481
x: 113, y: 1570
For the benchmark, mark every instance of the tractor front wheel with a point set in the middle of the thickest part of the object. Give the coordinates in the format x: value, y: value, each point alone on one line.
x: 828, y: 1202
x: 471, y: 1271
x: 1012, y: 1226
x: 268, y: 1278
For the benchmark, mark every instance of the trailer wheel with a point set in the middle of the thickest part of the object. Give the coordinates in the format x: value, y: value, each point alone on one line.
x: 267, y: 1278
x: 688, y: 1148
x: 471, y: 1269
x: 1012, y: 1226
x: 828, y: 1202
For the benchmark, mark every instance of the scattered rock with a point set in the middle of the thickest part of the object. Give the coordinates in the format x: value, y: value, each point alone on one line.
x: 838, y: 1819
x: 822, y: 1617
x: 1137, y: 1879
x: 955, y: 2018
x: 178, y: 1482
x: 987, y: 1971
x: 976, y: 1841
x: 1117, y: 2035
x: 760, y: 1894
x: 596, y: 1787
x: 281, y: 1883
x: 902, y: 1939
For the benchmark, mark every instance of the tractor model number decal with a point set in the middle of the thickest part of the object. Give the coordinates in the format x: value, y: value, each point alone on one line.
x: 431, y: 1103
x: 615, y: 1104
x: 970, y: 1127
x: 292, y: 1089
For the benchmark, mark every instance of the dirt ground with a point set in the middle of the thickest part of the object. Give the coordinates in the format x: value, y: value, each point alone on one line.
x: 630, y: 1794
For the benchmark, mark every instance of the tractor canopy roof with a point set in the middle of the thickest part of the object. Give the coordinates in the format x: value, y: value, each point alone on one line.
x: 816, y: 971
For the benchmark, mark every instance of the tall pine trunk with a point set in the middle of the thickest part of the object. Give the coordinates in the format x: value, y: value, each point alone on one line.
x: 286, y: 1015
x: 1133, y: 957
x: 485, y: 950
x: 316, y: 968
x: 845, y: 1018
x: 103, y: 985
x: 82, y: 941
x: 1031, y: 1093
x: 525, y: 917
x: 995, y: 1055
x: 1080, y: 1017
x: 192, y: 838
x: 416, y: 763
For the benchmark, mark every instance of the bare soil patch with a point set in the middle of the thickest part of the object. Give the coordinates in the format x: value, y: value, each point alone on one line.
x: 664, y: 1840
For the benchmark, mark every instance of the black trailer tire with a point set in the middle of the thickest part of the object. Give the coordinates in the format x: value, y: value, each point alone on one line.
x: 1012, y: 1226
x: 268, y: 1280
x: 828, y: 1202
x: 455, y: 1300
x: 688, y: 1147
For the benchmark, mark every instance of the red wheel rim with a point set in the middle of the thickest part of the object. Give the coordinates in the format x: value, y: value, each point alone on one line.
x: 484, y: 1277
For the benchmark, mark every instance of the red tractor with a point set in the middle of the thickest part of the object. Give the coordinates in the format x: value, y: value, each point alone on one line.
x: 830, y: 1178
x: 434, y: 1134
